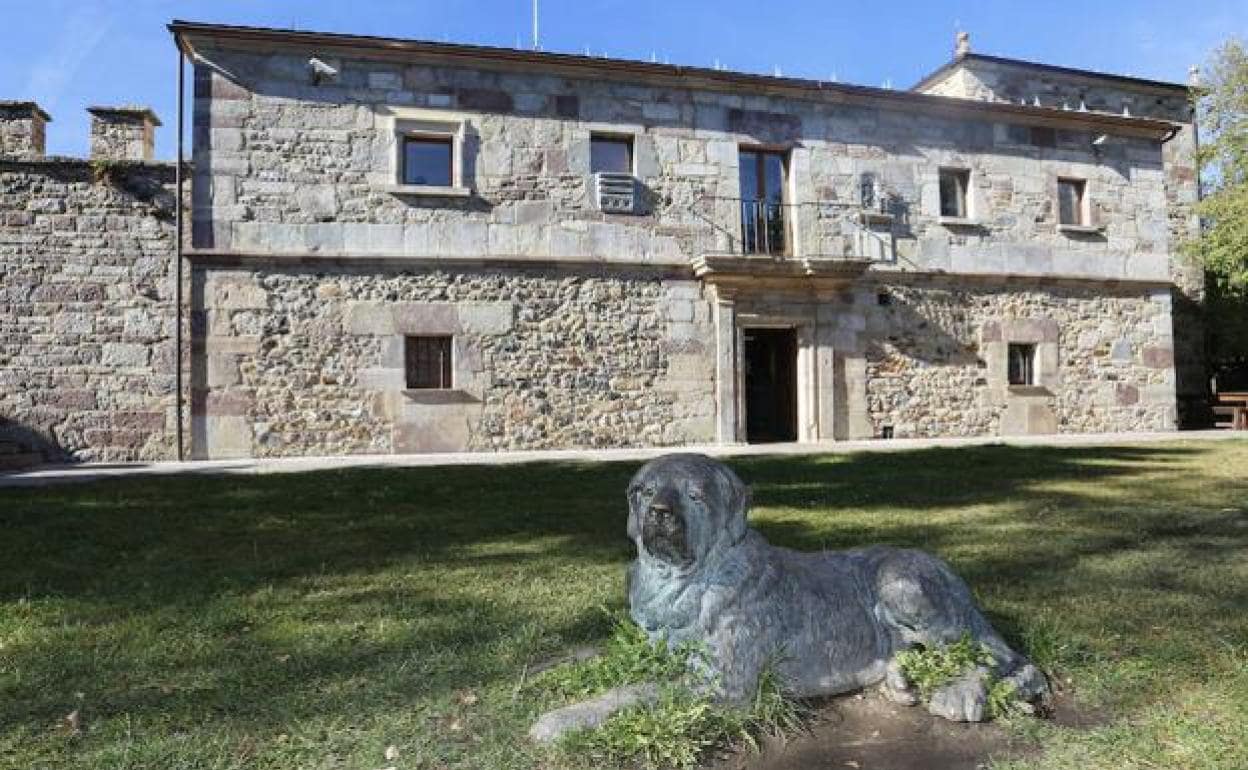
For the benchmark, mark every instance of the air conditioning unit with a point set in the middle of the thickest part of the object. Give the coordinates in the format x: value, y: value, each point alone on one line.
x: 615, y: 193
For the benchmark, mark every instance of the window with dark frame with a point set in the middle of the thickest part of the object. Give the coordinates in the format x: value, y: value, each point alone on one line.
x: 610, y: 154
x: 427, y: 363
x: 1022, y: 364
x: 762, y: 177
x: 1070, y: 201
x: 427, y: 161
x: 954, y: 183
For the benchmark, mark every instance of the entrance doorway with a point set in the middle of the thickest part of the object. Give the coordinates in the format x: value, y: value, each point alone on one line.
x: 770, y: 385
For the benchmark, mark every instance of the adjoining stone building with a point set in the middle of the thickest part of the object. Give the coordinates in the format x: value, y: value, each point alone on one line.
x: 402, y: 246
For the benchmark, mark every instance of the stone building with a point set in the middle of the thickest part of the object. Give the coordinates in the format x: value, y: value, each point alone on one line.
x: 402, y: 246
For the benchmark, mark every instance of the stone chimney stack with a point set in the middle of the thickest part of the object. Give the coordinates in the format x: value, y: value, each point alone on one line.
x: 122, y: 133
x: 22, y: 130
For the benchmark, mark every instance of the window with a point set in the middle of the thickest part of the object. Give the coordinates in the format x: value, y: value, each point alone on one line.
x: 954, y: 183
x: 612, y: 154
x: 428, y: 161
x: 866, y: 191
x: 427, y: 361
x: 1070, y: 201
x: 1022, y: 364
x: 762, y: 178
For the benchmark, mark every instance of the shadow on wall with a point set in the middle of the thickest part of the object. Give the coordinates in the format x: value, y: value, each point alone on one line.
x: 22, y: 446
x: 947, y: 338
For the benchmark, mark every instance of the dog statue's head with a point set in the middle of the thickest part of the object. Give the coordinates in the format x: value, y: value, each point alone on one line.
x: 683, y: 507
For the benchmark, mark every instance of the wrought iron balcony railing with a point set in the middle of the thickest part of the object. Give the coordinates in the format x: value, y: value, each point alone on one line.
x: 813, y: 230
x: 764, y: 227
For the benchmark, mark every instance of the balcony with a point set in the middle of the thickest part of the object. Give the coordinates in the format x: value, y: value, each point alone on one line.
x: 757, y: 239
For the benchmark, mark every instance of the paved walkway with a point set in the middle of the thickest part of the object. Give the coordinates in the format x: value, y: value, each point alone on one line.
x: 65, y: 474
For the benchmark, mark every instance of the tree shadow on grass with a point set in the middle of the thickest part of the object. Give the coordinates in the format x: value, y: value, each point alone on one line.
x: 272, y: 592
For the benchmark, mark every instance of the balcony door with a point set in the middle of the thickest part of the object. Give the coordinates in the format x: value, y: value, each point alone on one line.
x: 763, y: 226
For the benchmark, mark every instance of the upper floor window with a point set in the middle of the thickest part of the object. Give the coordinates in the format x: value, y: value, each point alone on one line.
x: 1070, y: 201
x: 762, y: 175
x: 427, y: 362
x: 955, y: 185
x: 428, y: 161
x: 1022, y: 364
x: 613, y: 154
x: 867, y: 191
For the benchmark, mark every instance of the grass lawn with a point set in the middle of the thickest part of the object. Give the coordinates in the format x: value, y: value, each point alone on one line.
x: 314, y: 620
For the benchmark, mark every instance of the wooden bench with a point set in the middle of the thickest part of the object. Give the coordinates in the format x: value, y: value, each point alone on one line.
x: 1230, y: 411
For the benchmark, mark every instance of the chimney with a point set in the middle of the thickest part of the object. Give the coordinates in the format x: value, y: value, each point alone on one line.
x: 22, y: 130
x: 962, y: 44
x: 122, y: 133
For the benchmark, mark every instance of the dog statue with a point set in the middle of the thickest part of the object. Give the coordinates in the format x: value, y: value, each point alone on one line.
x: 828, y: 622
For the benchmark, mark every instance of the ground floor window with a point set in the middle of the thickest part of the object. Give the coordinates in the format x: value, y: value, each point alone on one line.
x: 428, y: 363
x: 1022, y: 364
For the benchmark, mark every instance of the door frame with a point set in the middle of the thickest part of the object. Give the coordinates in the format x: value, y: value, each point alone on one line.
x: 806, y: 385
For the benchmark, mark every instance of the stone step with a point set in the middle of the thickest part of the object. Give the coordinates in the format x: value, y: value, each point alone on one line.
x: 14, y: 462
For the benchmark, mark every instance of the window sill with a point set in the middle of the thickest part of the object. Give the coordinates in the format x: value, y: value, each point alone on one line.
x: 439, y: 396
x: 1029, y: 390
x: 875, y: 218
x: 429, y: 191
x: 959, y: 222
x: 1082, y: 229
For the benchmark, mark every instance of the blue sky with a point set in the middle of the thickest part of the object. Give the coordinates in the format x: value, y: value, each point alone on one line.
x: 68, y: 54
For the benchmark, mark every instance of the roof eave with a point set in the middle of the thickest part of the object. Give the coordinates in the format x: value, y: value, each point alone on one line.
x: 689, y: 77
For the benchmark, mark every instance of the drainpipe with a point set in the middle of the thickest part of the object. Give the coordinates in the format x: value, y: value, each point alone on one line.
x: 177, y: 291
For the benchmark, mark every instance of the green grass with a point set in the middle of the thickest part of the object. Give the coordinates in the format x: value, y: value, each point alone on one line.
x: 317, y: 620
x: 682, y: 726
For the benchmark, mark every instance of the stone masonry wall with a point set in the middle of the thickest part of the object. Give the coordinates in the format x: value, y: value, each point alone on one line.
x: 86, y: 310
x: 931, y: 371
x: 998, y: 81
x: 287, y: 167
x: 300, y: 361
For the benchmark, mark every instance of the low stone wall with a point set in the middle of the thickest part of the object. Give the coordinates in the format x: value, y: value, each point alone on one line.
x: 935, y: 359
x: 86, y: 309
x: 308, y: 360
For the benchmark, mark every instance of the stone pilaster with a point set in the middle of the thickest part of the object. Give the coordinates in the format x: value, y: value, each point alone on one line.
x: 122, y: 133
x: 22, y: 132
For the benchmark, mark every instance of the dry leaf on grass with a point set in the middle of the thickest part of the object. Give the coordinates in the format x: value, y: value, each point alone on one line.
x: 72, y: 722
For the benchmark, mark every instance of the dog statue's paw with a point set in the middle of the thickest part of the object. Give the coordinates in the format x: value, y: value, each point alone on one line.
x: 1030, y: 685
x: 965, y: 699
x: 897, y: 688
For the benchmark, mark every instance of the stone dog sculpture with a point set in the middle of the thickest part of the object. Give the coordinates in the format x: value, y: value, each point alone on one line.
x: 829, y: 621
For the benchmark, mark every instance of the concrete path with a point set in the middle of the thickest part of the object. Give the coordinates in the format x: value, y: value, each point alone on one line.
x: 63, y: 474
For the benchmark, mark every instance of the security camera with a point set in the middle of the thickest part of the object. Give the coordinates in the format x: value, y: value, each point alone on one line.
x: 321, y: 71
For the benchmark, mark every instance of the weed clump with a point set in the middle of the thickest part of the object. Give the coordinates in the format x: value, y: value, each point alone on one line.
x: 930, y: 668
x: 685, y: 722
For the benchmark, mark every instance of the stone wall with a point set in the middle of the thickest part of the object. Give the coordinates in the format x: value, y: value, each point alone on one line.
x: 994, y: 79
x: 284, y: 166
x: 987, y: 79
x: 86, y: 310
x: 308, y: 360
x: 936, y: 359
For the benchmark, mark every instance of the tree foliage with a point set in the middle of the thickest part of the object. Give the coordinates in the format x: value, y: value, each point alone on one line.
x: 1222, y: 112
